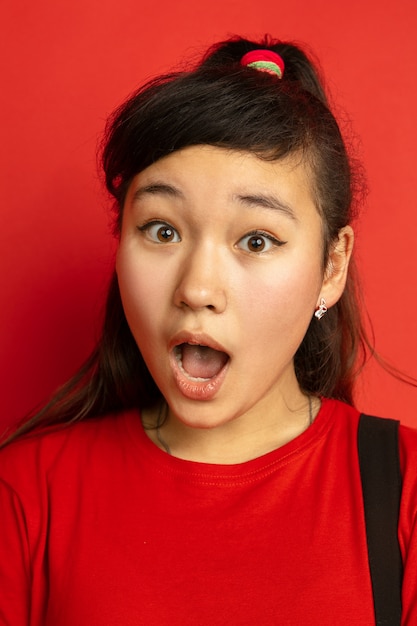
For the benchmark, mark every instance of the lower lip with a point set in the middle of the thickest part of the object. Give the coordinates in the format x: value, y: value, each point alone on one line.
x: 197, y: 389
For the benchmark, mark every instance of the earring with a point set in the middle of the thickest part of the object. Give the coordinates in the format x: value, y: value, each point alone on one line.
x: 321, y: 309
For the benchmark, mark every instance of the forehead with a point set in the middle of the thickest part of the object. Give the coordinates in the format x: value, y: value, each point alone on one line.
x: 226, y: 175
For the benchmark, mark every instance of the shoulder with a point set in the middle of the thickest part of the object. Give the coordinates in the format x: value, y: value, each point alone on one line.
x: 342, y: 417
x: 408, y: 443
x: 408, y: 461
x: 36, y: 456
x: 339, y: 411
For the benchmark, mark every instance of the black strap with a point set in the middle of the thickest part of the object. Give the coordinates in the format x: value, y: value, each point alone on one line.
x: 381, y: 485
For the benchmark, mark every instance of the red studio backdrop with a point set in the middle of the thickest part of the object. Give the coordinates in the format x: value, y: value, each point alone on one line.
x: 67, y: 64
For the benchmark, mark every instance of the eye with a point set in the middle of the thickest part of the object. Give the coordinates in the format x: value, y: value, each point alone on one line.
x: 258, y: 241
x: 160, y: 232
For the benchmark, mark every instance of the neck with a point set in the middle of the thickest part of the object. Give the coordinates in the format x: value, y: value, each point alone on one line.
x: 237, y: 441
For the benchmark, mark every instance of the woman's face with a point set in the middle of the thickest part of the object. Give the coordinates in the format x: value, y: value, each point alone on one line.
x: 220, y: 271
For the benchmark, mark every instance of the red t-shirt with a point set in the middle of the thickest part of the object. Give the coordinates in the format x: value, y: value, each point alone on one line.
x: 101, y: 528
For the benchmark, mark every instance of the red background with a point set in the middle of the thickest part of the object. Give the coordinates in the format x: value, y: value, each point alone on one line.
x: 67, y: 63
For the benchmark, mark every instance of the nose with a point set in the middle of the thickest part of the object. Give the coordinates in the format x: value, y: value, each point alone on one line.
x: 201, y: 283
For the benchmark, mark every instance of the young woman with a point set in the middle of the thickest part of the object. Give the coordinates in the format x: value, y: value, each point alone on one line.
x: 202, y: 467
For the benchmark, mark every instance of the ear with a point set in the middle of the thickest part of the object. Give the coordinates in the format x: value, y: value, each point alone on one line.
x: 335, y: 275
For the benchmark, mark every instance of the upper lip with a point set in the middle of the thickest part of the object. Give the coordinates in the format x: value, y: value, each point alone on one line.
x: 196, y: 339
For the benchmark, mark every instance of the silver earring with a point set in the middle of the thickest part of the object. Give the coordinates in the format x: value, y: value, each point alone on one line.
x: 321, y: 309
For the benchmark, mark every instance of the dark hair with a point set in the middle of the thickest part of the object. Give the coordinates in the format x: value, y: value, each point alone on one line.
x: 223, y: 104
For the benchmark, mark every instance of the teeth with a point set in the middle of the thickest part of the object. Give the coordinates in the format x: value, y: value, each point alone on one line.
x: 178, y: 356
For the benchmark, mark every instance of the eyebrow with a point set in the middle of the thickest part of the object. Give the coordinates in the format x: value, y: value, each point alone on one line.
x: 157, y: 188
x: 267, y: 201
x: 262, y: 200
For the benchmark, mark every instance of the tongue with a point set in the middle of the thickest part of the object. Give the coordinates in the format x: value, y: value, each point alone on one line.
x: 202, y: 361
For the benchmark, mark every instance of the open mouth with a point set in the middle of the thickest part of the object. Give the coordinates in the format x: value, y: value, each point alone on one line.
x: 200, y: 363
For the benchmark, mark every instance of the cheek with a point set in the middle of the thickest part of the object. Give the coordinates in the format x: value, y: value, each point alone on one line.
x: 139, y: 290
x: 282, y: 303
x: 294, y: 285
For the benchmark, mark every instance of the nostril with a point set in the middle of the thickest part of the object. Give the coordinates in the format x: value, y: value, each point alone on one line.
x: 201, y: 299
